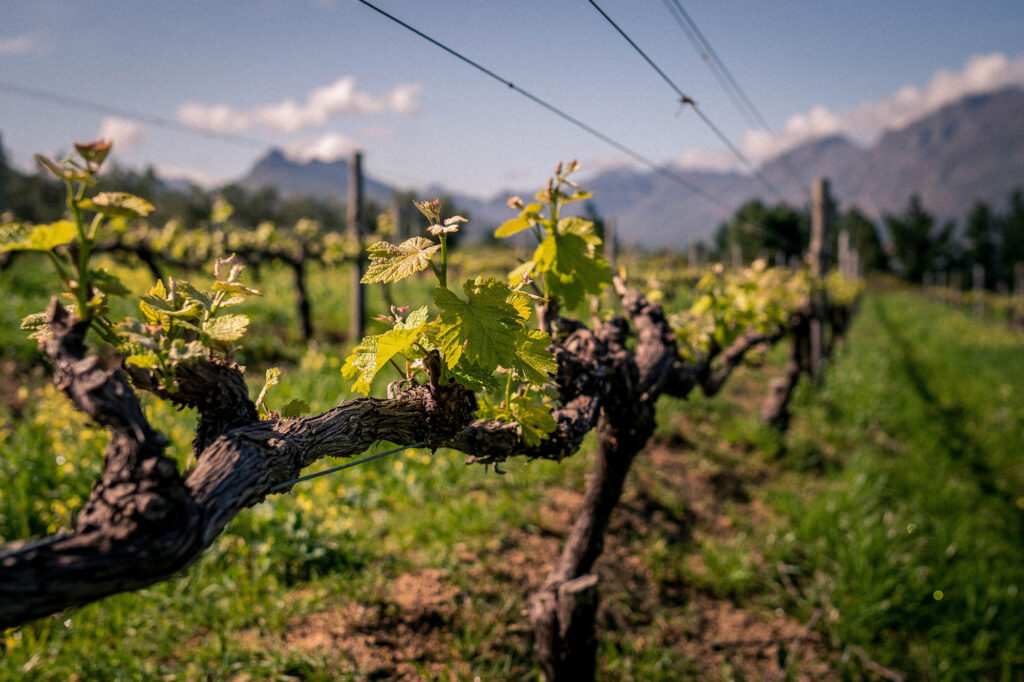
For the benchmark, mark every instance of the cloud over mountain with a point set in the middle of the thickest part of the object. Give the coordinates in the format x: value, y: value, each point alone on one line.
x: 326, y: 148
x: 981, y: 73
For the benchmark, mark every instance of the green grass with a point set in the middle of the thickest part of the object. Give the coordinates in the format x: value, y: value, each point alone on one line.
x: 914, y: 549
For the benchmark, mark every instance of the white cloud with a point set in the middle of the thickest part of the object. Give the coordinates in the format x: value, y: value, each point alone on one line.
x: 125, y: 133
x: 708, y: 159
x: 22, y: 44
x: 326, y: 148
x: 981, y: 73
x: 220, y: 118
x: 166, y: 172
x: 322, y: 104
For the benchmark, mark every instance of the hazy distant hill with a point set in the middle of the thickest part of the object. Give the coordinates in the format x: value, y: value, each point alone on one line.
x: 315, y: 178
x: 970, y: 150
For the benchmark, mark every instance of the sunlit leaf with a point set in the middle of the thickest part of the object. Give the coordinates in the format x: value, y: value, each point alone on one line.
x: 391, y: 262
x: 533, y: 361
x: 184, y: 352
x: 46, y: 237
x: 572, y: 267
x: 191, y: 293
x: 235, y: 288
x: 374, y: 352
x: 511, y: 227
x: 481, y: 328
x: 117, y: 205
x: 533, y: 418
x: 143, y: 360
x: 226, y: 327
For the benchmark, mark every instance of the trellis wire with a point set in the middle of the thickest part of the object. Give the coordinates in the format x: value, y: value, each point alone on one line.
x: 345, y: 466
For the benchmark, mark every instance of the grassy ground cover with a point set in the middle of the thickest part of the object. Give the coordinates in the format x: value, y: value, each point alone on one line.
x: 913, y: 548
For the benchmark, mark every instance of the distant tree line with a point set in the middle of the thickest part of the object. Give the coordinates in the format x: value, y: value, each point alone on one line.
x: 909, y: 244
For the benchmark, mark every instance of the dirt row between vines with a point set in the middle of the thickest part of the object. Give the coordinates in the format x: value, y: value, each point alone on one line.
x: 410, y: 631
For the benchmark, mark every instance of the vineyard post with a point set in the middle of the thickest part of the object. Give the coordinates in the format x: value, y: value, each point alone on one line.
x: 818, y: 256
x: 611, y: 241
x: 978, y: 289
x: 737, y: 256
x: 843, y: 255
x: 401, y: 227
x: 355, y: 229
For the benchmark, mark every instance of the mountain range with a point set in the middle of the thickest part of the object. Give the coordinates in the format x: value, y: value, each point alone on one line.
x: 972, y: 150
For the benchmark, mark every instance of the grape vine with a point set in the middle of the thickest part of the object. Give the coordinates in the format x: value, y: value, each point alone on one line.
x: 476, y: 371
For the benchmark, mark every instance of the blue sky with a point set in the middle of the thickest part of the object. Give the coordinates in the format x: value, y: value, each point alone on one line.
x: 320, y: 77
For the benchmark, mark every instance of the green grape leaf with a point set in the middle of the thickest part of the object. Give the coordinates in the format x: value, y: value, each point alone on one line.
x: 572, y: 267
x: 46, y: 237
x: 232, y: 301
x: 373, y: 352
x: 390, y: 262
x: 295, y: 408
x: 533, y: 361
x: 511, y: 227
x: 578, y: 195
x: 235, y: 288
x: 108, y: 283
x: 476, y: 378
x: 226, y: 327
x: 481, y: 328
x: 148, y: 360
x: 522, y: 302
x: 534, y: 418
x: 117, y: 205
x: 203, y: 298
x: 516, y: 276
x: 161, y: 306
x: 581, y: 227
x: 184, y: 352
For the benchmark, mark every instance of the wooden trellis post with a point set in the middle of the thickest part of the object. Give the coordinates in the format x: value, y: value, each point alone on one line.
x: 818, y: 258
x: 978, y: 289
x: 356, y: 219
